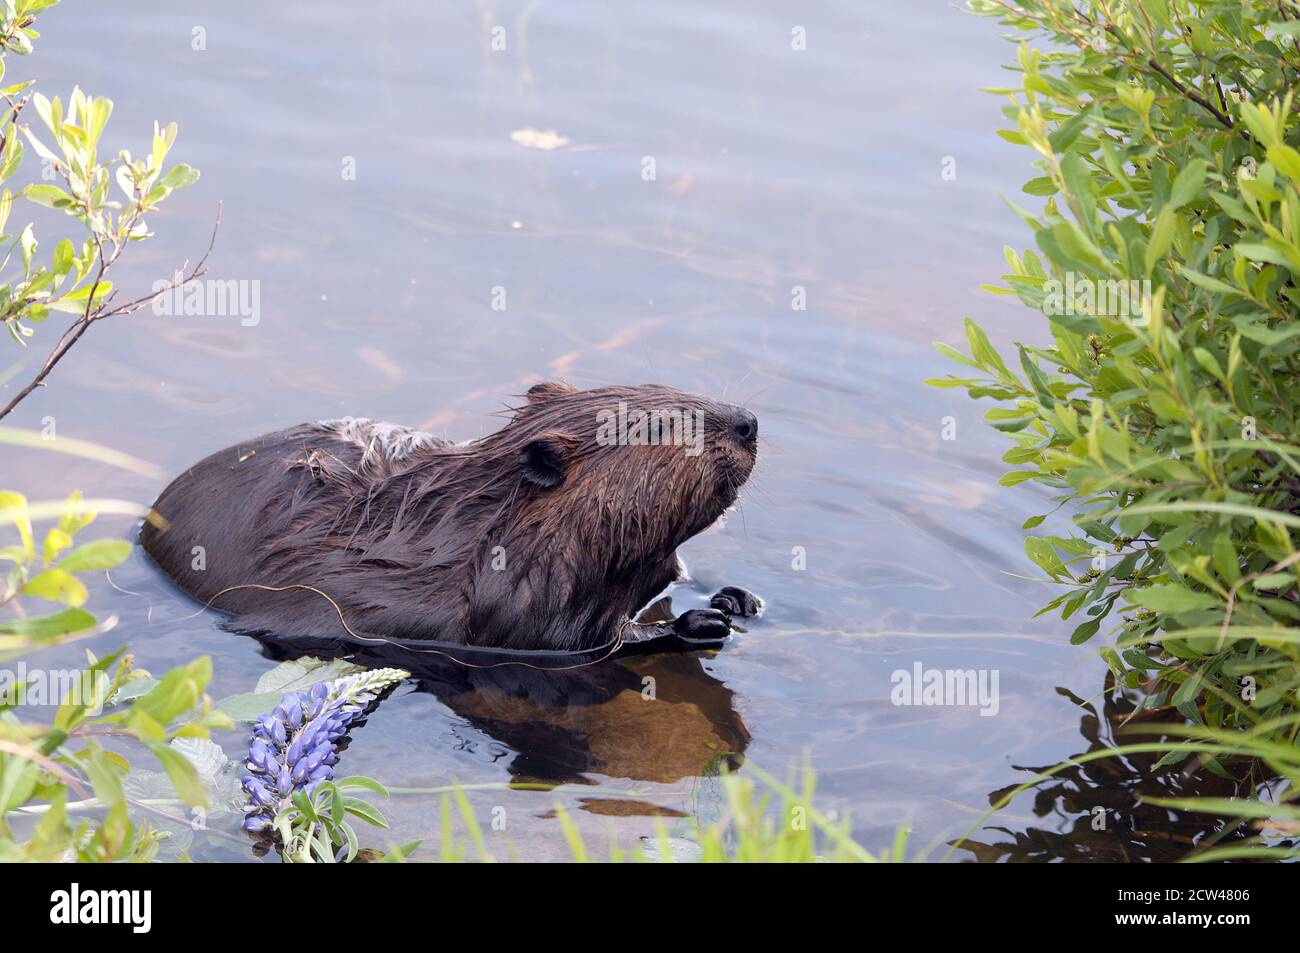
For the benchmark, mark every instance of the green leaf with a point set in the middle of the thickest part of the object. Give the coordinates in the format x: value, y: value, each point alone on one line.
x: 100, y: 110
x: 1035, y: 378
x: 178, y: 177
x: 20, y: 43
x: 57, y: 585
x: 1259, y: 251
x: 56, y: 541
x: 1188, y: 183
x: 63, y: 256
x: 27, y: 240
x: 1044, y: 556
x: 361, y: 782
x: 75, y: 301
x: 1016, y: 477
x: 44, y: 628
x: 1085, y: 631
x: 105, y: 772
x: 366, y: 811
x: 955, y: 354
x: 1208, y: 283
x: 177, y: 693
x: 983, y: 352
x: 101, y: 554
x: 398, y: 854
x: 51, y: 196
x: 1162, y: 236
x: 249, y: 706
x: 1188, y: 691
x: 1287, y: 160
x: 185, y: 779
x: 1044, y: 185
x: 1173, y: 598
x: 1067, y: 132
x: 17, y: 781
x: 299, y: 674
x: 1277, y: 580
x: 14, y: 510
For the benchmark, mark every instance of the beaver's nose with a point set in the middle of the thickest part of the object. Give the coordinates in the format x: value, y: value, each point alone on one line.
x: 744, y: 427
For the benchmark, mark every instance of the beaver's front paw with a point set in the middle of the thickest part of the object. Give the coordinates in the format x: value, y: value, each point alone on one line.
x: 703, y: 625
x: 735, y: 601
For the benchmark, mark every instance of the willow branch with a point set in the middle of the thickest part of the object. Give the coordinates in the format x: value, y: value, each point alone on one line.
x: 92, y: 314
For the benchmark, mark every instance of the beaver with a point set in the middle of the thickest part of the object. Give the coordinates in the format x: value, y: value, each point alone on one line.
x: 547, y: 535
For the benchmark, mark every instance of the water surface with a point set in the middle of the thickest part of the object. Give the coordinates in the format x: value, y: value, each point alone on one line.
x: 778, y: 173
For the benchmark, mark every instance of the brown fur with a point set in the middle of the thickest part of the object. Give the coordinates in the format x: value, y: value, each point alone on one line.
x: 403, y: 539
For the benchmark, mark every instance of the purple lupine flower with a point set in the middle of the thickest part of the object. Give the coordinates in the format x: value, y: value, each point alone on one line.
x: 294, y: 748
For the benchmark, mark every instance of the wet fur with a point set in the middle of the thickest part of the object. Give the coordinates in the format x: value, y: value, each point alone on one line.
x: 400, y: 528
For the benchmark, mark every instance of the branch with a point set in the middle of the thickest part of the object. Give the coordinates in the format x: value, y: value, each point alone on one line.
x: 1224, y: 119
x: 199, y: 270
x: 79, y: 327
x: 12, y: 121
x: 45, y: 763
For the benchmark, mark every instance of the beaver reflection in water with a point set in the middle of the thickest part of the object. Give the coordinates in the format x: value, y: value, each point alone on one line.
x: 548, y: 534
x: 575, y: 724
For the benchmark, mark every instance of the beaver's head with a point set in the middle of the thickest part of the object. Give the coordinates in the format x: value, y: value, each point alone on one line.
x: 635, y: 471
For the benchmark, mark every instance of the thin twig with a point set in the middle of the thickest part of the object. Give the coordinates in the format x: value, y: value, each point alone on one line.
x: 1232, y: 593
x: 150, y: 805
x: 199, y: 270
x: 28, y: 753
x: 1223, y: 118
x: 79, y: 327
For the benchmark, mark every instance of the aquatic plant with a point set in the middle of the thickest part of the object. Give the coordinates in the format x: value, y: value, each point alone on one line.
x: 1163, y: 410
x: 290, y: 782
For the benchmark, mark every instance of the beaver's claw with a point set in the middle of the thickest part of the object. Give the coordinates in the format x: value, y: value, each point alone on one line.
x: 736, y: 601
x: 703, y: 625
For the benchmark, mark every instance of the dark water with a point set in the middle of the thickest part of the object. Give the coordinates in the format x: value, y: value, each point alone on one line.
x: 776, y: 169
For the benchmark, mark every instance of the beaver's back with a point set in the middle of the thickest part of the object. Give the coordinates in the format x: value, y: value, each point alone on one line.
x: 216, y: 511
x: 276, y: 531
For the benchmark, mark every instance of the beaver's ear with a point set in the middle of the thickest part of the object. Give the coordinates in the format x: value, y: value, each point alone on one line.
x: 548, y: 389
x: 545, y: 460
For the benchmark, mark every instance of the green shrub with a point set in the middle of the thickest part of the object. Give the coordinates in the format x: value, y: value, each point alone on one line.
x: 64, y: 793
x: 110, y: 199
x: 1164, y: 409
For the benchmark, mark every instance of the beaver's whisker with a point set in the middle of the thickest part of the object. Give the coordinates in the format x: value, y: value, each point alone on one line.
x: 726, y: 387
x: 748, y: 401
